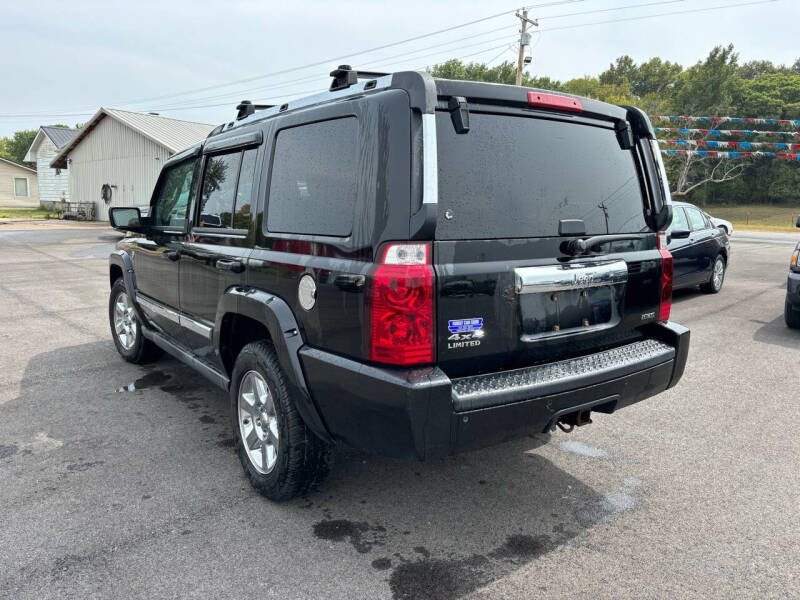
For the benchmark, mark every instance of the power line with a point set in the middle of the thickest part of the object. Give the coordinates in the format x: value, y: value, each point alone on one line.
x: 350, y: 55
x: 666, y: 14
x: 487, y: 32
x: 563, y: 28
x: 182, y: 107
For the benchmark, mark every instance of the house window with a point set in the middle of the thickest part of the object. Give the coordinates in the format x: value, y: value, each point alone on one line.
x: 21, y: 187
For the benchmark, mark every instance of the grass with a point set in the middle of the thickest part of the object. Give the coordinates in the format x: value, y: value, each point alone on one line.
x: 26, y: 213
x: 757, y: 217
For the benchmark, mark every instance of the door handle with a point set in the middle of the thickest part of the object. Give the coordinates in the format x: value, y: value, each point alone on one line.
x: 235, y: 266
x: 172, y: 255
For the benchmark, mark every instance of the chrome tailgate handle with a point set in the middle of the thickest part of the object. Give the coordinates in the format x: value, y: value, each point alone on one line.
x: 556, y: 278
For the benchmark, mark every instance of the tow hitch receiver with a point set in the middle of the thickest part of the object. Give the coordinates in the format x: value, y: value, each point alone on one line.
x: 572, y: 420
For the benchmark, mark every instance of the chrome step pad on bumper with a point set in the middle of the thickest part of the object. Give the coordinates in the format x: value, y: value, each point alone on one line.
x: 493, y: 389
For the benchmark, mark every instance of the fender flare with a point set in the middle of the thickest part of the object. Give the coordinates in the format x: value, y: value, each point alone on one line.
x: 122, y: 259
x: 276, y: 315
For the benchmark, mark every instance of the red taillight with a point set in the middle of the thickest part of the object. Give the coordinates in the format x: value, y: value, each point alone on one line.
x: 666, y: 278
x: 400, y: 306
x: 554, y: 101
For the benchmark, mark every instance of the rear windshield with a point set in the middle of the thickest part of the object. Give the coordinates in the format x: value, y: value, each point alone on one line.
x: 517, y: 176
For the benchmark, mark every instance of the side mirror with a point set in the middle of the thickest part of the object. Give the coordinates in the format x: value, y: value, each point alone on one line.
x: 661, y: 220
x: 679, y: 234
x: 124, y: 218
x: 797, y: 223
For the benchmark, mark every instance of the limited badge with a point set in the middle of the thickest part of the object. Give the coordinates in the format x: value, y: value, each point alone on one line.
x: 307, y: 292
x: 465, y: 333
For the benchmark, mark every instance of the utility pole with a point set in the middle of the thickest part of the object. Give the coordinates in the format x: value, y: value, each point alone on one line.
x: 524, y: 39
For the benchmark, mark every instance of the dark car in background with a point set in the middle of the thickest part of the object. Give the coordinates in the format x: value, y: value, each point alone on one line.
x: 791, y: 308
x: 700, y: 250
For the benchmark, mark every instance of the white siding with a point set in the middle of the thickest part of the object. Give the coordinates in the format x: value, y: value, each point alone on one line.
x: 51, y: 186
x: 113, y: 153
x: 10, y: 171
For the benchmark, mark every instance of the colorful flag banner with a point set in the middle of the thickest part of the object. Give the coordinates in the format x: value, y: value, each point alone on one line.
x: 745, y: 145
x: 782, y: 122
x: 715, y: 154
x: 732, y: 132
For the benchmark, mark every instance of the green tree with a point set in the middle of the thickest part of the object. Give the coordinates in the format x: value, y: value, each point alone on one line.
x: 655, y: 77
x: 708, y: 87
x: 16, y: 146
x: 620, y: 72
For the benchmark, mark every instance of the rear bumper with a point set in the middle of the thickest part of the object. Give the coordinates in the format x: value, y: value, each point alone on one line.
x: 422, y: 413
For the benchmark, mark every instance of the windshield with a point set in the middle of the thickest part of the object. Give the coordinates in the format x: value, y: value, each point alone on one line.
x: 517, y: 176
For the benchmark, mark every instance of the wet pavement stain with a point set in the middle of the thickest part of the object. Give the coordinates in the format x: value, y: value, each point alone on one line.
x: 435, y: 579
x: 152, y: 379
x: 381, y: 564
x: 422, y: 550
x: 7, y: 450
x: 360, y: 534
x: 83, y: 466
x: 207, y: 419
x: 226, y: 443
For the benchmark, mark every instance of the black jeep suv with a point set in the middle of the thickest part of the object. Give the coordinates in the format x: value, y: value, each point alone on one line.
x: 407, y: 265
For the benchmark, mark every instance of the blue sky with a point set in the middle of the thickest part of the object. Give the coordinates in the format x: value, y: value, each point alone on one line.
x: 63, y: 60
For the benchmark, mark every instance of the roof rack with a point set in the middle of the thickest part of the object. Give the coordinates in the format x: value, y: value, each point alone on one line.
x: 245, y: 108
x: 344, y: 76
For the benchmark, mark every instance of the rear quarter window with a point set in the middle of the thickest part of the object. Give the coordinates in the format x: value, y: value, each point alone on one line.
x: 313, y: 186
x: 517, y: 176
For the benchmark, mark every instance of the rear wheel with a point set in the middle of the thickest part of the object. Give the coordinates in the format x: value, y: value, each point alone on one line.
x: 714, y: 284
x: 790, y: 315
x: 126, y: 329
x: 281, y: 457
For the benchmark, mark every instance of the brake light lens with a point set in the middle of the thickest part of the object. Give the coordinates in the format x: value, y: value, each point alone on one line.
x: 400, y: 306
x: 665, y: 304
x: 554, y: 101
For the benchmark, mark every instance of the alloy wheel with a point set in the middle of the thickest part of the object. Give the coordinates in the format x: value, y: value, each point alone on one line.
x: 719, y: 273
x: 258, y: 422
x: 125, y: 325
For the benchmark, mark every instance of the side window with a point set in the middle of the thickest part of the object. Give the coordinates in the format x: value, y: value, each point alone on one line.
x: 313, y: 188
x: 679, y: 221
x: 176, y: 188
x: 244, y: 191
x: 696, y: 219
x: 707, y: 219
x: 217, y: 192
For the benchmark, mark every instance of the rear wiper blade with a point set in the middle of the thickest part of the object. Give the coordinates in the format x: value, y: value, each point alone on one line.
x: 578, y: 246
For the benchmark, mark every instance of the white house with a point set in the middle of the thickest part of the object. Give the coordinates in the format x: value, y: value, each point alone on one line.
x: 53, y: 183
x: 122, y: 152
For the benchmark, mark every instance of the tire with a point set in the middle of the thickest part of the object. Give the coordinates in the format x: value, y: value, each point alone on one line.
x: 285, y: 459
x: 790, y: 315
x: 717, y: 278
x: 128, y: 338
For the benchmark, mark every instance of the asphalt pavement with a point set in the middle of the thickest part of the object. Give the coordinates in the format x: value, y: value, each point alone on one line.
x: 121, y: 481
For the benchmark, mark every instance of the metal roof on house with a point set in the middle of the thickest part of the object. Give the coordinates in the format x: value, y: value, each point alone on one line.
x: 16, y: 164
x: 60, y: 136
x: 172, y: 134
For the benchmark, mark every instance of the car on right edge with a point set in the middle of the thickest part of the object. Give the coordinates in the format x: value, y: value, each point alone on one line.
x: 791, y: 307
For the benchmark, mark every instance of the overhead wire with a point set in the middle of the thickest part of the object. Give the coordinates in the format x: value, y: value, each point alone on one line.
x: 562, y: 28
